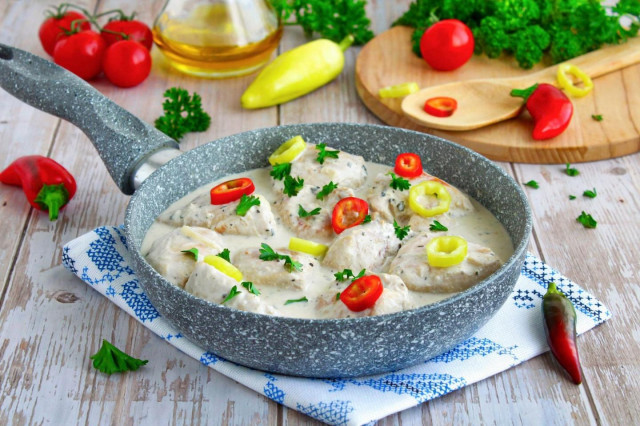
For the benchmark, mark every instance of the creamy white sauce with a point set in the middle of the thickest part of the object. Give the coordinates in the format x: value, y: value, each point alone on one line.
x: 480, y: 227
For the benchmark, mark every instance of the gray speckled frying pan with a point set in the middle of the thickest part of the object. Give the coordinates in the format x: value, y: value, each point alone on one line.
x: 132, y: 150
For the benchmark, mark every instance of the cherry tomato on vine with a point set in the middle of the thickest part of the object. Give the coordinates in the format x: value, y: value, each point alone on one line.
x: 362, y: 293
x: 134, y: 29
x: 126, y: 63
x: 53, y: 28
x: 81, y: 53
x: 447, y: 45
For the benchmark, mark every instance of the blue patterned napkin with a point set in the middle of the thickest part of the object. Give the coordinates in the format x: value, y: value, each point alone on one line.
x: 513, y: 335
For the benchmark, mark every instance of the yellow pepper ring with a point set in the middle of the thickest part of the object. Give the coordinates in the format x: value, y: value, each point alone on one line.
x: 399, y: 90
x: 446, y: 251
x: 223, y: 266
x: 306, y: 246
x: 288, y: 151
x: 566, y: 82
x: 429, y: 188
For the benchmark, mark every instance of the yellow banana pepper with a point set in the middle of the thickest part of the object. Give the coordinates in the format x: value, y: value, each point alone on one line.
x: 296, y: 73
x: 566, y: 82
x: 429, y: 189
x: 446, y: 251
x: 223, y: 266
x: 306, y: 246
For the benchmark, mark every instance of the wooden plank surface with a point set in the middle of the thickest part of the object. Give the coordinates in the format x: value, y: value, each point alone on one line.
x: 50, y: 322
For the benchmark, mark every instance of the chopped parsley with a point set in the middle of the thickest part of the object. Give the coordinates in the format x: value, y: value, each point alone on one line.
x: 338, y: 295
x: 232, y: 293
x: 367, y: 219
x: 437, y: 226
x: 303, y: 213
x: 302, y: 299
x: 326, y: 190
x: 193, y: 251
x: 572, y: 197
x: 398, y: 182
x: 110, y: 359
x: 268, y: 254
x: 250, y: 287
x: 348, y: 273
x: 292, y: 185
x: 246, y: 202
x: 325, y: 153
x: 587, y: 220
x: 225, y: 254
x: 597, y: 117
x: 401, y: 231
x: 589, y: 193
x: 533, y: 184
x: 571, y: 171
x: 279, y: 171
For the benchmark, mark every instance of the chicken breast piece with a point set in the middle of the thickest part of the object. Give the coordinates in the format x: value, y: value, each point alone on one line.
x: 311, y: 227
x: 393, y: 204
x: 166, y: 257
x: 366, y: 246
x: 273, y: 272
x: 206, y: 282
x: 347, y: 170
x: 258, y: 220
x: 393, y: 299
x: 412, y: 266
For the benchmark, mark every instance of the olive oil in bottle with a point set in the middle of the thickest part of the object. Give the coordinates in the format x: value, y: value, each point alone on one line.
x: 217, y: 38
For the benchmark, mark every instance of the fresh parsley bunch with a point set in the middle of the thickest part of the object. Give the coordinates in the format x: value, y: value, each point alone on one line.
x: 182, y: 114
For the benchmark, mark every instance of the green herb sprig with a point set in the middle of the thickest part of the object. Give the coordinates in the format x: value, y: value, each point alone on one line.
x: 398, y: 182
x: 269, y: 254
x: 533, y: 184
x: 571, y: 171
x: 324, y: 153
x: 110, y: 359
x: 326, y: 190
x: 192, y: 251
x: 303, y: 213
x: 346, y: 274
x: 587, y: 220
x: 225, y: 254
x: 590, y: 194
x: 246, y: 202
x: 437, y: 226
x: 292, y: 185
x: 401, y: 231
x: 182, y: 114
x: 302, y: 299
x: 232, y: 293
x: 280, y: 171
x: 250, y: 287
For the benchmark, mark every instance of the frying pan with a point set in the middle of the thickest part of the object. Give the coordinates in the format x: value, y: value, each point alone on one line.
x: 135, y: 155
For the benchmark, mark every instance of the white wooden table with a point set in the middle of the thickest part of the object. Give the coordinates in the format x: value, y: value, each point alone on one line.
x: 50, y: 322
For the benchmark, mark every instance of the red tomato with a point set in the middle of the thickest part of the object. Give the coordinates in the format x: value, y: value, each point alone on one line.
x: 126, y: 63
x: 408, y: 165
x: 81, y: 53
x: 440, y: 106
x: 135, y: 30
x: 231, y: 190
x: 52, y: 29
x: 362, y: 293
x: 348, y: 212
x: 447, y: 45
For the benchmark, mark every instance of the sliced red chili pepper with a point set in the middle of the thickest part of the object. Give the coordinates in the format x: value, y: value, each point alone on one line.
x: 408, y: 165
x: 362, y: 293
x: 348, y: 212
x: 550, y: 108
x: 440, y: 106
x: 47, y: 185
x: 231, y: 190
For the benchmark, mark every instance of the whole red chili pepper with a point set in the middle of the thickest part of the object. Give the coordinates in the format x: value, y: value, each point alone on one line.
x: 560, y: 329
x: 47, y: 185
x: 550, y: 108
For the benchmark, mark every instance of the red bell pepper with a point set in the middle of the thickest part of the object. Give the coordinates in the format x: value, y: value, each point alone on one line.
x: 47, y: 185
x: 550, y: 108
x: 362, y: 293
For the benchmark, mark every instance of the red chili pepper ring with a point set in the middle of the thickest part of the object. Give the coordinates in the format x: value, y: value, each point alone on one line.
x: 231, y: 190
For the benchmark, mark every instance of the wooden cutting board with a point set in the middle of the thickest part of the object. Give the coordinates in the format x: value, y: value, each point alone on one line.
x: 388, y: 59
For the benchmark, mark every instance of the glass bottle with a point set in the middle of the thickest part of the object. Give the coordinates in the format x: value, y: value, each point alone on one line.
x: 217, y: 38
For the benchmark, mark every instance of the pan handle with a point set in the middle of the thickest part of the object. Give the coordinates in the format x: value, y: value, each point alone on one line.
x: 123, y: 141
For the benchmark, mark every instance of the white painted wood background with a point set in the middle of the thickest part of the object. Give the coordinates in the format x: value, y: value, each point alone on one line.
x: 50, y: 322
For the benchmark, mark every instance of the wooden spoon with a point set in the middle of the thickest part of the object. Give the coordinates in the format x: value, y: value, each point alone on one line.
x: 487, y: 101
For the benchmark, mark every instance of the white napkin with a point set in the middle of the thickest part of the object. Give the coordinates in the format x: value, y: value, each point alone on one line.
x: 513, y: 335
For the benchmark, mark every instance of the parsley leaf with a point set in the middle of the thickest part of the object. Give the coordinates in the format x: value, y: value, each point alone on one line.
x: 533, y: 184
x: 348, y: 273
x: 587, y: 220
x: 110, y: 359
x: 292, y: 185
x: 571, y: 171
x: 182, y: 114
x: 246, y: 202
x: 437, y: 226
x: 303, y: 213
x: 401, y: 231
x: 367, y: 219
x: 398, y: 182
x: 338, y: 295
x: 268, y: 254
x: 279, y: 171
x: 597, y: 117
x: 589, y: 193
x: 325, y: 153
x: 225, y: 254
x: 250, y: 287
x: 326, y: 190
x: 302, y: 299
x: 572, y: 197
x: 193, y: 251
x: 232, y: 293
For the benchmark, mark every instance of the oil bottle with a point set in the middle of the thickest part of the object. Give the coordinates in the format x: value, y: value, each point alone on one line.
x: 217, y: 38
